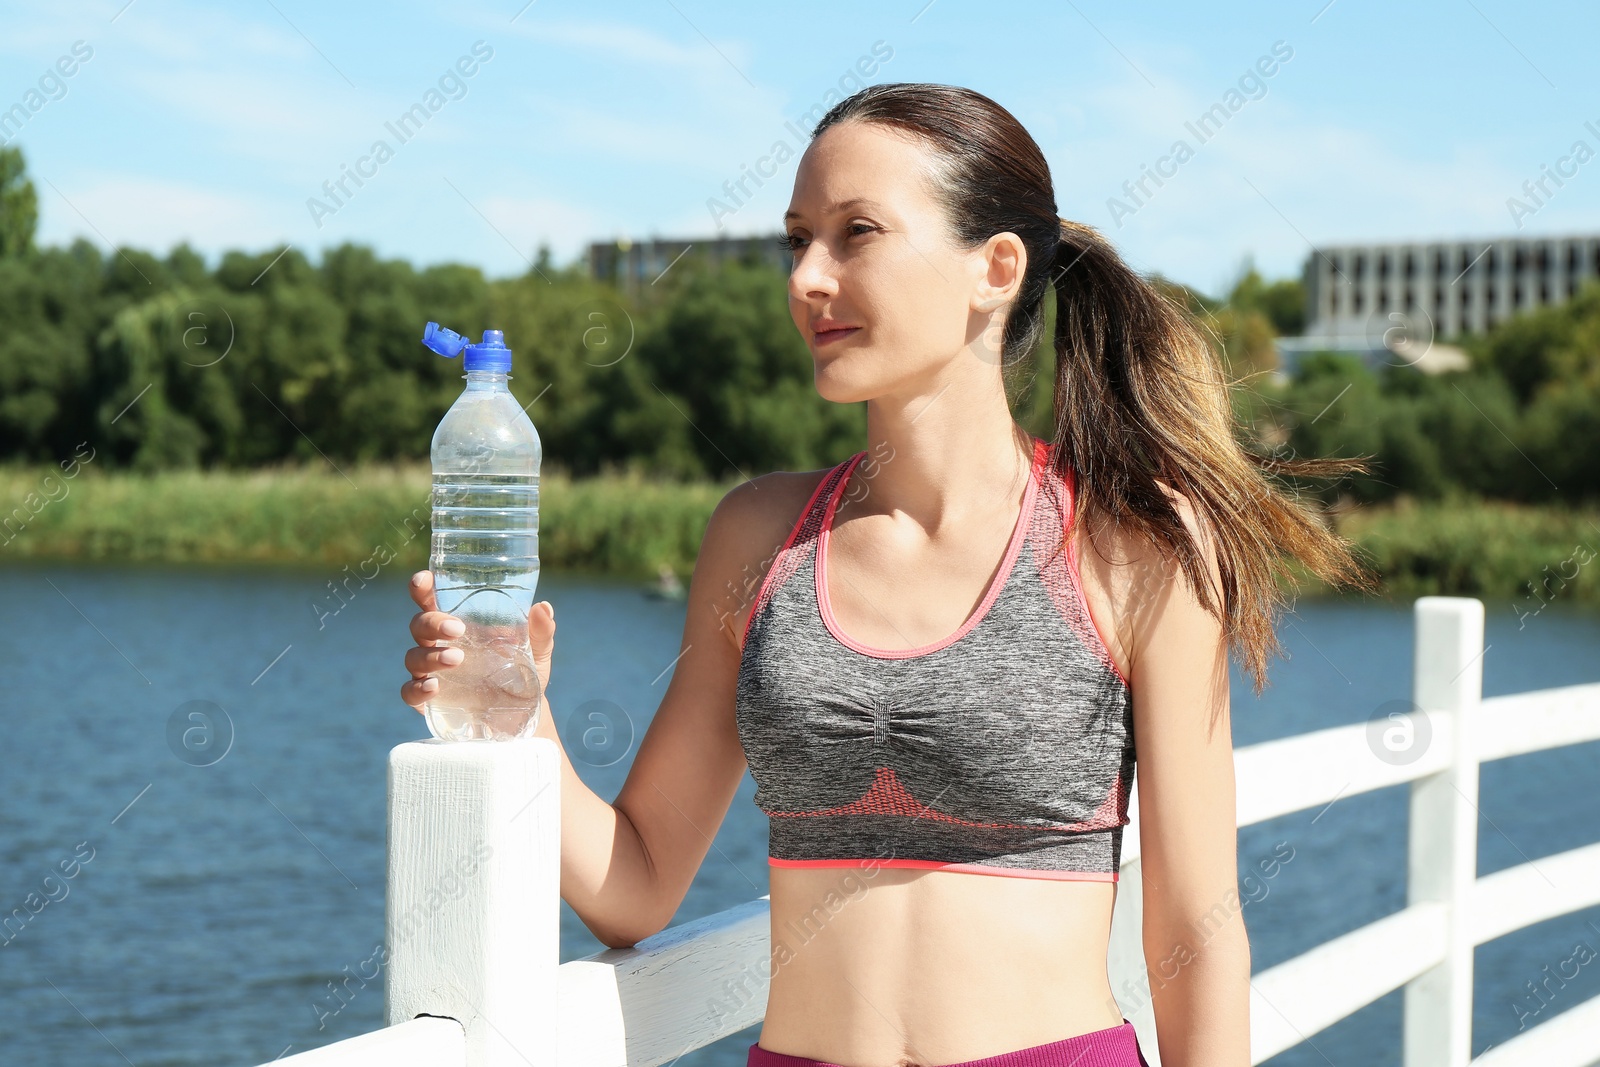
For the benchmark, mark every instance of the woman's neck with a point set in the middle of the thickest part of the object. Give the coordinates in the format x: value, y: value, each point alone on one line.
x: 942, y: 455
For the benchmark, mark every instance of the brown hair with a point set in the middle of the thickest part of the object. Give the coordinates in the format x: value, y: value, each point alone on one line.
x: 1140, y: 397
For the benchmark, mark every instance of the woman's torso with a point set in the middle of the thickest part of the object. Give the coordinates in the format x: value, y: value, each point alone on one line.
x: 883, y: 964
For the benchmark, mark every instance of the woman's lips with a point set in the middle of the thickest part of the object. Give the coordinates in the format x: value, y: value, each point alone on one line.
x: 823, y: 337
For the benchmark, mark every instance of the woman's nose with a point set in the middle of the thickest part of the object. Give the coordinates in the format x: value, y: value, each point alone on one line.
x: 811, y: 275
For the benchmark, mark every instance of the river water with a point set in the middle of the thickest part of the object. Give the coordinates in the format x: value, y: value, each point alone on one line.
x: 204, y: 749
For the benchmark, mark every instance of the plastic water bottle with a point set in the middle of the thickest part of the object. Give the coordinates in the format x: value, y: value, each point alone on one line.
x: 485, y: 551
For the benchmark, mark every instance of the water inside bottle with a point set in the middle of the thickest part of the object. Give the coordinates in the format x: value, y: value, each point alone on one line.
x: 493, y: 693
x: 485, y: 562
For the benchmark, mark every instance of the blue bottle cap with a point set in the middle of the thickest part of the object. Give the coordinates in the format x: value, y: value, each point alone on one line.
x: 491, y: 354
x: 447, y: 343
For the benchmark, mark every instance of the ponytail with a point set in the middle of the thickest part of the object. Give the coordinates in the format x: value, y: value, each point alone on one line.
x: 1141, y: 399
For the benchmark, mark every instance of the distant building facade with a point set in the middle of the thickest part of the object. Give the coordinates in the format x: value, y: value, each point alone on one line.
x: 1396, y: 302
x: 631, y: 265
x: 1461, y: 287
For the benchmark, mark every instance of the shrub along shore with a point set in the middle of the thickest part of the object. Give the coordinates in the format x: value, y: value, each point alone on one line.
x: 375, y: 516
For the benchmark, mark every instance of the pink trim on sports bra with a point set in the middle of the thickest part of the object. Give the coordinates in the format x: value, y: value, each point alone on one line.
x: 970, y: 868
x: 772, y: 566
x: 1013, y: 549
x: 1104, y: 651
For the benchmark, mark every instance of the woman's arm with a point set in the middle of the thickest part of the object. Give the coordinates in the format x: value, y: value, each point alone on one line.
x: 690, y: 761
x: 1196, y: 952
x: 626, y: 865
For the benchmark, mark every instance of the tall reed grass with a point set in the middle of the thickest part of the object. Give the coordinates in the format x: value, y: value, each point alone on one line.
x: 621, y: 524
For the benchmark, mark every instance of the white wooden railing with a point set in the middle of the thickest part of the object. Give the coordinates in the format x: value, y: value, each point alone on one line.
x: 474, y: 876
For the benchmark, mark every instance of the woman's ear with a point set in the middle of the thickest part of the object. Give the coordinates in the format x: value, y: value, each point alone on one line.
x: 1001, y: 264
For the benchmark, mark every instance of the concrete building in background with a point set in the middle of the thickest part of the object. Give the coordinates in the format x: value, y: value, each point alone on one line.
x: 632, y: 265
x: 1463, y: 287
x: 1398, y: 303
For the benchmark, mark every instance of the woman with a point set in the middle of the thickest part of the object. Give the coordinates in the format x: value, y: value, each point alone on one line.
x: 932, y: 666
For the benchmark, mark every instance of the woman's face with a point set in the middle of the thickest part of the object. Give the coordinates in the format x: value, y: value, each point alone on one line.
x: 872, y: 253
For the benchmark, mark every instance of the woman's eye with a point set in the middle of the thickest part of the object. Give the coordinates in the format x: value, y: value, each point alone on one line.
x: 792, y: 242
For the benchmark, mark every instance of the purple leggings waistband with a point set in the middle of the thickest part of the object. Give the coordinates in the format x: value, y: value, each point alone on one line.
x: 1115, y: 1046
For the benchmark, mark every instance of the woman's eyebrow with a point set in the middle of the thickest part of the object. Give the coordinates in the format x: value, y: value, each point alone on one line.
x: 855, y: 201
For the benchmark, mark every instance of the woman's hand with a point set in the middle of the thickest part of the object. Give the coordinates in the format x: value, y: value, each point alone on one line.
x: 432, y: 628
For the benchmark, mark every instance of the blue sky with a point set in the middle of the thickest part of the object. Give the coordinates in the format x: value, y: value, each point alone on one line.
x: 216, y: 123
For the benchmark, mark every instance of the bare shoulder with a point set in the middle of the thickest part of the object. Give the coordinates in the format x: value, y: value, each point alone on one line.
x: 1129, y: 579
x: 749, y: 526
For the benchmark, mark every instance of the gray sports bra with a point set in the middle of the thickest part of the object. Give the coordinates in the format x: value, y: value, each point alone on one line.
x: 1005, y: 748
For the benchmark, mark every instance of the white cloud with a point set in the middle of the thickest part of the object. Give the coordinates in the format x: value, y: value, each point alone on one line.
x: 154, y: 215
x: 609, y: 136
x: 624, y: 43
x: 257, y: 115
x: 212, y: 36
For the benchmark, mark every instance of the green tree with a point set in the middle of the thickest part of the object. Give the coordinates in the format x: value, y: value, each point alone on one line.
x: 1282, y: 302
x: 1556, y: 345
x: 50, y: 305
x: 1332, y: 409
x: 726, y: 371
x: 19, y: 205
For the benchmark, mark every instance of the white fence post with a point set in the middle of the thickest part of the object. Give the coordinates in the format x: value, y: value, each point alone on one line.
x: 1447, y: 686
x: 473, y: 909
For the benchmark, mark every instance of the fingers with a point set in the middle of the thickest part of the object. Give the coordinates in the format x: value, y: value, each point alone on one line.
x: 422, y: 662
x: 418, y: 692
x: 429, y: 627
x: 542, y: 638
x: 422, y: 591
x: 430, y: 624
x: 542, y: 628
